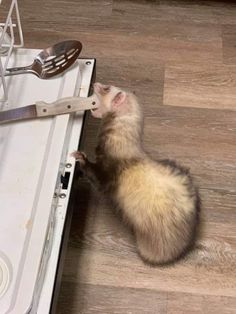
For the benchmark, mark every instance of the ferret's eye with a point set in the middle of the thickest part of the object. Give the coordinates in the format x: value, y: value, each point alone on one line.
x: 106, y: 89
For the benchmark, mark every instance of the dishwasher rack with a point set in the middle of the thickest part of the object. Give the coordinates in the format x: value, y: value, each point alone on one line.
x: 11, y: 36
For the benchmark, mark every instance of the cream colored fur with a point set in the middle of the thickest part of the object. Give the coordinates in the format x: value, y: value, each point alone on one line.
x: 125, y: 141
x: 158, y: 200
x: 156, y: 203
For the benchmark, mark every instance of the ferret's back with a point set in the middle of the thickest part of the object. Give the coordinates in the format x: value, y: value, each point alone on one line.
x: 147, y: 190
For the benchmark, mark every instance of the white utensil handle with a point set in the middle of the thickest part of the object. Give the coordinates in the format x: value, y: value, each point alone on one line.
x: 66, y: 105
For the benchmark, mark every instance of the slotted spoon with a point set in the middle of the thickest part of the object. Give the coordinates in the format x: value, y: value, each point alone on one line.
x: 51, y: 61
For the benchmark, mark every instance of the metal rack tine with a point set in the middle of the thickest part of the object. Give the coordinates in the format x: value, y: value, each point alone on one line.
x: 8, y: 41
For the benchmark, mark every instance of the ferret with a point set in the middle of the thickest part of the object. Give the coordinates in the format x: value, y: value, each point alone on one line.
x: 157, y: 198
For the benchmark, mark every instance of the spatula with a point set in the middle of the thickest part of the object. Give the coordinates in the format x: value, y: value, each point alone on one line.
x: 51, y: 61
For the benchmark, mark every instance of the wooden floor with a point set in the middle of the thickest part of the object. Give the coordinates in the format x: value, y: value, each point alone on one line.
x: 180, y: 59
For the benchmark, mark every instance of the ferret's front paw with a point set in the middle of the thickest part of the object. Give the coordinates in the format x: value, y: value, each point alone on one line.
x: 80, y: 157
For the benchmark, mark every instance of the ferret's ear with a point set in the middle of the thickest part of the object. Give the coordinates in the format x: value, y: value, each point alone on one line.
x: 118, y: 99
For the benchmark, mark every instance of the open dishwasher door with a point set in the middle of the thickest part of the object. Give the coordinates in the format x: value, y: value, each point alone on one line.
x: 34, y: 157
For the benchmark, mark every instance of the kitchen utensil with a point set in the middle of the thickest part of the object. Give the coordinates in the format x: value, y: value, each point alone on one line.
x: 51, y: 61
x: 42, y: 109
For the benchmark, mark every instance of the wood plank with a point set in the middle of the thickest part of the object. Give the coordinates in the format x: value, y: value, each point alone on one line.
x: 172, y: 11
x: 59, y: 16
x: 200, y: 139
x: 197, y: 11
x: 180, y: 303
x: 219, y: 206
x: 127, y: 32
x: 136, y: 15
x: 195, y: 85
x: 69, y: 11
x: 223, y: 12
x: 102, y: 299
x: 142, y: 47
x: 96, y: 267
x: 229, y: 48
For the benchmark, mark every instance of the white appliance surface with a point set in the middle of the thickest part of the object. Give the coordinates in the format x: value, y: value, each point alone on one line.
x: 33, y: 155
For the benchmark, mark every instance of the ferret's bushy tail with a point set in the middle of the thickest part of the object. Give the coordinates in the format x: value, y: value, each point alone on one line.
x: 161, y: 251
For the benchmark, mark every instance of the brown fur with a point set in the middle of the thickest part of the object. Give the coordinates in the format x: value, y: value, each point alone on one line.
x: 158, y: 199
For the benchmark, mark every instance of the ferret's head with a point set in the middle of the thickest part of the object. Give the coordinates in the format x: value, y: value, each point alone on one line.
x: 112, y: 99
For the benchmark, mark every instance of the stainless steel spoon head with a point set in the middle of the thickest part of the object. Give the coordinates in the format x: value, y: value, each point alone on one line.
x: 51, y: 61
x: 56, y: 59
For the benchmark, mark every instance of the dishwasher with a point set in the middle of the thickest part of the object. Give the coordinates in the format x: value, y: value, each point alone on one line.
x: 36, y: 174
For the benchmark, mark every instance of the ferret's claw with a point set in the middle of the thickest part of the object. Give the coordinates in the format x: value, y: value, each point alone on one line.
x: 80, y: 157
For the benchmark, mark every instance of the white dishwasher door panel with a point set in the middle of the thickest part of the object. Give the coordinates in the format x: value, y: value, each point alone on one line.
x: 32, y: 156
